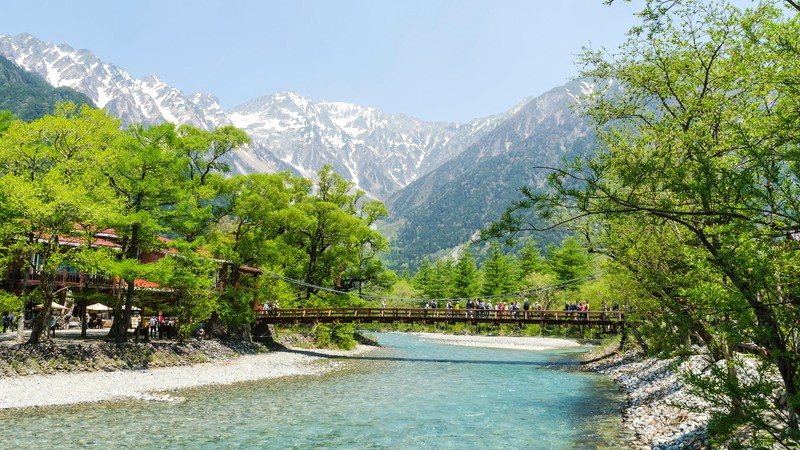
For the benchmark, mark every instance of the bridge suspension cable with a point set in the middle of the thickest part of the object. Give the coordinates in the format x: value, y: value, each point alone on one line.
x: 521, y: 293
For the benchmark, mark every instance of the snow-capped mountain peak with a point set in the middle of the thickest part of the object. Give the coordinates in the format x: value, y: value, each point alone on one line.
x: 381, y: 153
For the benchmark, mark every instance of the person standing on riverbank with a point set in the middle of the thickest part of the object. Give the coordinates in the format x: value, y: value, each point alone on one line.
x: 153, y: 326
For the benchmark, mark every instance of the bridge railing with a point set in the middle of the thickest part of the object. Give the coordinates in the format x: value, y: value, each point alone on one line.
x: 438, y: 314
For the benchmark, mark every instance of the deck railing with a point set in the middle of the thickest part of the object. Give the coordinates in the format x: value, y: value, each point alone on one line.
x: 310, y: 315
x: 77, y: 279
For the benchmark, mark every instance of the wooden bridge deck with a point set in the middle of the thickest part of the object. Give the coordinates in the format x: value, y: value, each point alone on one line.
x: 389, y: 315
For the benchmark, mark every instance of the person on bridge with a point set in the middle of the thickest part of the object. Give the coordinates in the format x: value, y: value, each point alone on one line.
x: 383, y: 307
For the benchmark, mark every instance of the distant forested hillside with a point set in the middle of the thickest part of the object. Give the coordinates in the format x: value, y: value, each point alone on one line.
x: 30, y: 97
x: 448, y: 206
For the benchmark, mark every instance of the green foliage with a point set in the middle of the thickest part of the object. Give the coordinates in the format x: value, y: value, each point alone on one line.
x: 339, y: 336
x: 694, y: 193
x: 499, y: 273
x: 29, y: 97
x: 6, y: 118
x: 9, y: 302
x: 53, y: 187
x: 465, y: 278
x: 570, y: 260
x: 433, y: 280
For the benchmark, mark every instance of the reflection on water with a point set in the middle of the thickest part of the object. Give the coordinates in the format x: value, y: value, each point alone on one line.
x: 411, y: 394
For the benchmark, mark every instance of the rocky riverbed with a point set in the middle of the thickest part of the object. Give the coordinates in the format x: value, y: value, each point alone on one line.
x: 17, y: 360
x: 654, y: 412
x: 69, y: 372
x: 74, y: 371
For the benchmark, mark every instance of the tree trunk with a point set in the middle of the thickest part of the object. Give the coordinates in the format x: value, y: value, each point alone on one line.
x: 212, y: 324
x: 119, y: 329
x: 40, y: 329
x: 84, y: 324
x: 640, y: 339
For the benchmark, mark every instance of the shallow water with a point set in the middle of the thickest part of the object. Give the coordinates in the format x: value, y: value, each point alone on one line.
x: 413, y: 393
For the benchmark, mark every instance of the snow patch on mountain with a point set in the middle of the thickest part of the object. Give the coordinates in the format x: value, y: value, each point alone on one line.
x: 380, y: 153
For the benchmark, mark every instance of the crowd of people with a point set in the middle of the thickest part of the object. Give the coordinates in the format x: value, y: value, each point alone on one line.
x: 267, y: 307
x: 479, y: 308
x: 9, y: 322
x: 159, y: 326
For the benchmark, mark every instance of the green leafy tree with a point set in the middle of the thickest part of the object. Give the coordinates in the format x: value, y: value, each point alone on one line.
x: 531, y: 259
x: 424, y: 279
x: 192, y: 276
x: 6, y: 118
x: 146, y: 174
x: 332, y: 228
x: 570, y: 260
x: 498, y: 273
x: 54, y: 192
x: 465, y: 280
x: 441, y: 280
x: 699, y: 153
x: 249, y: 236
x: 202, y: 205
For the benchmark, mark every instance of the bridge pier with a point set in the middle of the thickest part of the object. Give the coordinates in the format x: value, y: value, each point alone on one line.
x: 264, y: 332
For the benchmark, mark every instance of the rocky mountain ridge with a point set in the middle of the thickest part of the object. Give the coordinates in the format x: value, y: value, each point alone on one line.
x: 382, y: 153
x: 442, y: 182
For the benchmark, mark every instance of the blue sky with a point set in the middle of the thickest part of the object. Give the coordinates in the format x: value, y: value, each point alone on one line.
x: 448, y: 60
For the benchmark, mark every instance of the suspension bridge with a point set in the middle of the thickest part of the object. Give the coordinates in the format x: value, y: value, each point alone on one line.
x: 609, y: 320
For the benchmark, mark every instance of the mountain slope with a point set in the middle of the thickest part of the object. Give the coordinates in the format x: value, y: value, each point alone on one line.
x: 448, y: 206
x: 442, y: 181
x: 148, y: 101
x: 28, y: 96
x: 381, y: 153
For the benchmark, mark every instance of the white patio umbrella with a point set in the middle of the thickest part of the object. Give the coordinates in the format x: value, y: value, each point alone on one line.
x: 97, y: 307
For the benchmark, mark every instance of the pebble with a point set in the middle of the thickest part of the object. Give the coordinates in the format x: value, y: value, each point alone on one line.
x: 654, y: 391
x: 121, y: 378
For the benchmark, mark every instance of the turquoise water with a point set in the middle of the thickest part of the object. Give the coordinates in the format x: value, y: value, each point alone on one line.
x: 413, y: 393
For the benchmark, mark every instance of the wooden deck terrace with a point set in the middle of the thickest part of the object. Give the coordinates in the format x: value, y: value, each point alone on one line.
x: 389, y: 315
x: 65, y: 278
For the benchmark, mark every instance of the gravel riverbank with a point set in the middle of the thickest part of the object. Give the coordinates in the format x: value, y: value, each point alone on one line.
x: 79, y: 372
x: 655, y: 395
x: 530, y: 343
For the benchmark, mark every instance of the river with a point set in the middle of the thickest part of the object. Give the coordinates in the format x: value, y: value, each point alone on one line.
x: 413, y: 393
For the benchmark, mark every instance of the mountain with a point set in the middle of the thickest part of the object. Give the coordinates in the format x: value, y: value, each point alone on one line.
x: 148, y: 101
x: 381, y: 153
x: 30, y: 97
x: 449, y: 205
x: 442, y: 182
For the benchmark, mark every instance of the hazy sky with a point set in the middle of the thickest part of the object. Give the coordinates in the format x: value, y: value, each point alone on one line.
x: 433, y: 59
